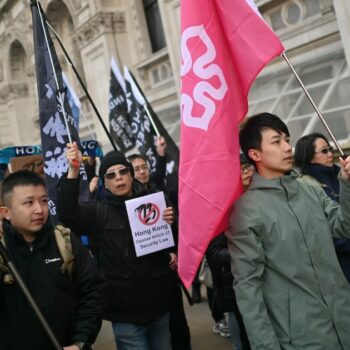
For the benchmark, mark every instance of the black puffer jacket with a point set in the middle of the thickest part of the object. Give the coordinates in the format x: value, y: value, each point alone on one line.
x: 140, y: 288
x: 73, y: 309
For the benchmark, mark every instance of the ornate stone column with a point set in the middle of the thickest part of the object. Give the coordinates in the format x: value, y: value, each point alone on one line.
x: 170, y: 11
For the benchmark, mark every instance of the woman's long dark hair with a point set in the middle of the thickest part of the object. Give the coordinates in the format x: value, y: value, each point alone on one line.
x: 305, y: 149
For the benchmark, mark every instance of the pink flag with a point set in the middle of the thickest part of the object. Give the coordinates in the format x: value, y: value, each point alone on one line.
x: 224, y: 45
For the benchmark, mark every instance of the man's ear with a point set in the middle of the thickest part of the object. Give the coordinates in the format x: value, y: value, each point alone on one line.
x: 5, y: 213
x: 255, y: 155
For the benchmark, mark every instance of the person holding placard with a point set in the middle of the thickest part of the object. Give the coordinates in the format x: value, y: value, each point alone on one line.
x: 179, y: 329
x: 140, y: 288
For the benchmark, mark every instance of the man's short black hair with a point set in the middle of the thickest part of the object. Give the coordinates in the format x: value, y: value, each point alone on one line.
x: 250, y: 135
x: 19, y: 178
x: 305, y: 149
x: 136, y: 156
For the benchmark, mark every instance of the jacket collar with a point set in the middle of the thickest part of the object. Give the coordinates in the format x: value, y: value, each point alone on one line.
x: 138, y: 190
x: 259, y: 182
x: 13, y: 238
x: 319, y: 170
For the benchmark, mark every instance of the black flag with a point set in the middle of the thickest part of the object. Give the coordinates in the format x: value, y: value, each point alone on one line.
x: 145, y: 135
x: 54, y: 135
x: 119, y: 121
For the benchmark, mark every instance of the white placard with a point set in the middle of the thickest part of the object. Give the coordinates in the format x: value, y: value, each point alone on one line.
x: 149, y: 231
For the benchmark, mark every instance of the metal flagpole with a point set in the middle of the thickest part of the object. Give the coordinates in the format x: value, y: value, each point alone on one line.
x: 84, y: 87
x: 314, y: 105
x: 151, y: 119
x: 142, y: 100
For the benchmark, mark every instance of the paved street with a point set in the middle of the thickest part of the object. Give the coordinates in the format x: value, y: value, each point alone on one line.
x: 200, y: 323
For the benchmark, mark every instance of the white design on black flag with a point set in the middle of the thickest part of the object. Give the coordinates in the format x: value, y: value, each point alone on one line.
x: 54, y: 135
x: 145, y: 136
x: 119, y: 121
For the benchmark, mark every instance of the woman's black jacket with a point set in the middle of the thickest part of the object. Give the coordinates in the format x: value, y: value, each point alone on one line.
x: 139, y: 288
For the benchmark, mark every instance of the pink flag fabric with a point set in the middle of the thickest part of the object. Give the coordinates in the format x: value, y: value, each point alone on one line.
x: 224, y: 45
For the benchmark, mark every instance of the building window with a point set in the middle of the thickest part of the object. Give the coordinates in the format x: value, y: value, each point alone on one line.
x: 328, y: 83
x: 154, y: 23
x: 292, y: 13
x: 17, y: 61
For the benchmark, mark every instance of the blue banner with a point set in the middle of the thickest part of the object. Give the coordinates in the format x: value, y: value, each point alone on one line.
x: 18, y: 151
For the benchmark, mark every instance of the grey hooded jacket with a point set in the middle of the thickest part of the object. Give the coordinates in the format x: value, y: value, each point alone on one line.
x: 289, y: 286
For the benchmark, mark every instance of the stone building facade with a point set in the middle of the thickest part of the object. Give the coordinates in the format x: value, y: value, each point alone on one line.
x: 92, y: 31
x: 145, y: 36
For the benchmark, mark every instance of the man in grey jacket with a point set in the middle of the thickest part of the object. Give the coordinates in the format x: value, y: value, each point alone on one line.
x: 289, y: 286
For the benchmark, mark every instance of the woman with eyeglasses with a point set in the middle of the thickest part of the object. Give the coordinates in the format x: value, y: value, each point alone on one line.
x: 139, y: 292
x: 314, y: 157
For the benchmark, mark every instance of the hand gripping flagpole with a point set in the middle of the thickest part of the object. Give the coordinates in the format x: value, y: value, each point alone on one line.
x: 29, y: 297
x: 83, y: 86
x: 314, y: 106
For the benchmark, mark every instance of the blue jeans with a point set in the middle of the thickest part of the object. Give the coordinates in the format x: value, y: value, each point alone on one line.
x: 154, y: 336
x: 234, y: 331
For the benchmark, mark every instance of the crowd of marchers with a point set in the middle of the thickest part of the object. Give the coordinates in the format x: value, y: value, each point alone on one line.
x: 277, y: 279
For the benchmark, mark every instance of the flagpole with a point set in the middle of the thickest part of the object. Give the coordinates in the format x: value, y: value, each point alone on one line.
x: 151, y: 119
x: 59, y: 91
x: 142, y: 101
x: 84, y: 87
x: 314, y: 105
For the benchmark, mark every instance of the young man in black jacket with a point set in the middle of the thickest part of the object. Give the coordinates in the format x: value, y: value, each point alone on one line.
x: 72, y: 303
x: 139, y: 289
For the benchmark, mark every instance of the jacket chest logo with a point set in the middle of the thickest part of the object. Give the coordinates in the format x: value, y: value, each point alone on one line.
x: 48, y: 261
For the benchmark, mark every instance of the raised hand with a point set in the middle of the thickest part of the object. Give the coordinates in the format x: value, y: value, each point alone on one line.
x: 161, y: 146
x: 168, y: 215
x: 74, y: 158
x: 345, y: 168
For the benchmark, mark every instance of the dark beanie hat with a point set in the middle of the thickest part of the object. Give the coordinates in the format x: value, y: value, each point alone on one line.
x: 113, y: 158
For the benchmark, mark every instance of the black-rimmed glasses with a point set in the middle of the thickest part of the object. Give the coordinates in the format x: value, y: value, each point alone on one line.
x: 141, y: 167
x: 113, y: 174
x: 245, y: 168
x: 325, y: 150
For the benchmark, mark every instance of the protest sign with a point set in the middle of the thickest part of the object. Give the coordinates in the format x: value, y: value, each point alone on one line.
x: 149, y: 231
x: 33, y: 163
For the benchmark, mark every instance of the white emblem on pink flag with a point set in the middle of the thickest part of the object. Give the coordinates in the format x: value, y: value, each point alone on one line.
x: 204, y: 92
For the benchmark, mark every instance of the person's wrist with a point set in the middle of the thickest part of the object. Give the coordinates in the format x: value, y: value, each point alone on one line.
x: 73, y: 173
x: 82, y: 346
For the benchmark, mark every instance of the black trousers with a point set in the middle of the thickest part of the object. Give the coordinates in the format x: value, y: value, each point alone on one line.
x: 179, y: 329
